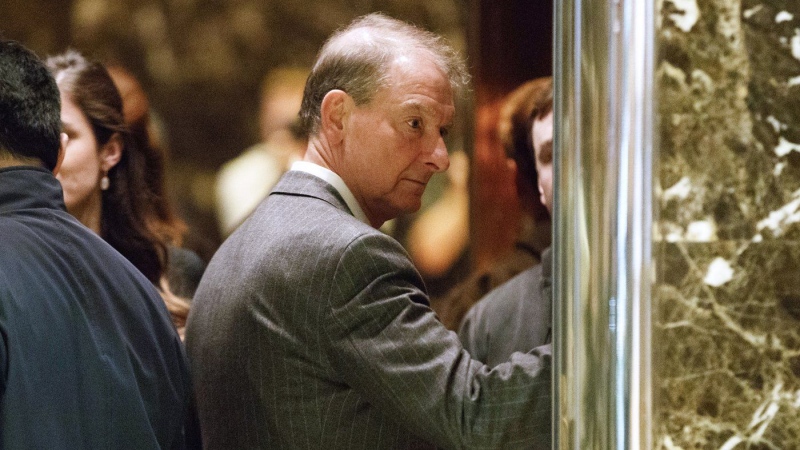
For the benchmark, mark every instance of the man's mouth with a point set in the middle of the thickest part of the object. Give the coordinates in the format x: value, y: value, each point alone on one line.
x: 422, y: 183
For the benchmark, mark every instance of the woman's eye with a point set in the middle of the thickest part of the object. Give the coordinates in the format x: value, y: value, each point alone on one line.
x: 415, y: 123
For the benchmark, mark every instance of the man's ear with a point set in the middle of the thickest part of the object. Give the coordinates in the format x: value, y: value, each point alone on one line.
x: 333, y: 113
x: 62, y: 150
x: 111, y: 152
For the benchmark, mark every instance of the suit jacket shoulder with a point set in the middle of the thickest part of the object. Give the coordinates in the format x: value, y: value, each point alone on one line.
x: 515, y: 317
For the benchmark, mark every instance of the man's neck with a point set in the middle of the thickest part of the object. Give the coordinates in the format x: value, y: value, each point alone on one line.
x: 336, y: 181
x: 8, y: 160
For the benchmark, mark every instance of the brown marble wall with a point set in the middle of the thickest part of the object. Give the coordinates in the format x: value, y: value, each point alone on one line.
x: 727, y: 315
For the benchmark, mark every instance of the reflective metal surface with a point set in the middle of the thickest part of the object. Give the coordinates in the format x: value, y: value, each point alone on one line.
x: 603, y: 220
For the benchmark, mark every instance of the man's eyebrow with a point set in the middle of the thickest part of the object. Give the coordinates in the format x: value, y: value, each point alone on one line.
x: 423, y: 107
x: 417, y: 105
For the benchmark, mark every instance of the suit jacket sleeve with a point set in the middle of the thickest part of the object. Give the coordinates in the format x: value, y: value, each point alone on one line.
x: 387, y: 343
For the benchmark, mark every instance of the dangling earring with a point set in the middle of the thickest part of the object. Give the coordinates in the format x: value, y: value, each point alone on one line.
x: 105, y: 182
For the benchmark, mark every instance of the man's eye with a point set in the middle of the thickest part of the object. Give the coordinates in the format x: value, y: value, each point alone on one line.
x: 415, y: 123
x: 444, y: 132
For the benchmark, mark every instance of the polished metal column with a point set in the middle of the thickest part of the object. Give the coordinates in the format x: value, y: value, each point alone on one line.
x: 603, y: 221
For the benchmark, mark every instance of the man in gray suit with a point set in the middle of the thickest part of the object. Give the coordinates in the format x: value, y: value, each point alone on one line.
x: 311, y: 329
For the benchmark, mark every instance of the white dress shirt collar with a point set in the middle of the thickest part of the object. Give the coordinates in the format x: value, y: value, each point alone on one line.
x: 336, y: 181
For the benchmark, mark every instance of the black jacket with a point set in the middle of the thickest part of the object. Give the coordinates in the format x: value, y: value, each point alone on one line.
x: 88, y: 355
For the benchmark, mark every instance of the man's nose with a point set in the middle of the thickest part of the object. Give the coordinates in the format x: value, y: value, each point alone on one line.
x: 438, y: 159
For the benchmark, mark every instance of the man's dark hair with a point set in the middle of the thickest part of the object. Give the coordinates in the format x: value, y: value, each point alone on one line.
x: 30, y: 106
x: 530, y: 101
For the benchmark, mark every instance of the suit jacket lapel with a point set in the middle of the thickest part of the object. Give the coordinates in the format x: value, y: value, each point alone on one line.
x: 303, y: 184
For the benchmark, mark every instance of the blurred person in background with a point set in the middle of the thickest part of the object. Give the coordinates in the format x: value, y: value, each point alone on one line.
x: 243, y: 182
x: 105, y: 175
x: 517, y: 316
x: 438, y: 235
x: 534, y: 236
x: 88, y: 354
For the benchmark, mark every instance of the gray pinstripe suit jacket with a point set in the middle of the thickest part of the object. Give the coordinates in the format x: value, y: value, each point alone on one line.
x: 312, y: 330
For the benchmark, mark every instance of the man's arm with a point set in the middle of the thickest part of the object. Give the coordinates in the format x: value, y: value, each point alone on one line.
x: 387, y: 343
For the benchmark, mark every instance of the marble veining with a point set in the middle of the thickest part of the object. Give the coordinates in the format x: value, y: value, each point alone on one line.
x: 727, y: 239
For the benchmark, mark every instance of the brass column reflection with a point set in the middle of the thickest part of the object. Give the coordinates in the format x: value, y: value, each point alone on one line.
x: 602, y: 224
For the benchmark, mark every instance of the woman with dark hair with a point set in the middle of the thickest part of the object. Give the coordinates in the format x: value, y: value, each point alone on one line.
x: 104, y: 175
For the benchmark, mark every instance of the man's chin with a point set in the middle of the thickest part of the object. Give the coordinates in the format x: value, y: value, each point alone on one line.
x: 411, y: 206
x: 400, y: 205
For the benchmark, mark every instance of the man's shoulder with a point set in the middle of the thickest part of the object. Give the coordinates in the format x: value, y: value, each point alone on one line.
x: 309, y: 217
x: 295, y: 224
x: 506, y: 300
x: 302, y: 203
x: 31, y: 235
x: 68, y: 263
x: 39, y: 228
x: 512, y: 290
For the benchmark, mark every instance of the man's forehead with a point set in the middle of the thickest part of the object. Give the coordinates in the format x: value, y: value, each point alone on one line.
x: 427, y: 105
x: 420, y: 77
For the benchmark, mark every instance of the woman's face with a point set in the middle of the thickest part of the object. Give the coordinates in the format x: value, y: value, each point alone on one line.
x: 81, y: 170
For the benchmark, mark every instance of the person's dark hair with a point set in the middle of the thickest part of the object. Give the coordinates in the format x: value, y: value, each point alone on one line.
x: 359, y: 65
x: 30, y: 106
x: 543, y: 104
x: 126, y: 211
x: 530, y: 101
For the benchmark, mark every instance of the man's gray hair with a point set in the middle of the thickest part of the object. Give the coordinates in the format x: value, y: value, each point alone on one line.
x: 356, y: 60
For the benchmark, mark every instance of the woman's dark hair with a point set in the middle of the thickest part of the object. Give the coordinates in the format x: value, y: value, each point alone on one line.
x: 130, y: 219
x: 136, y: 113
x: 126, y: 218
